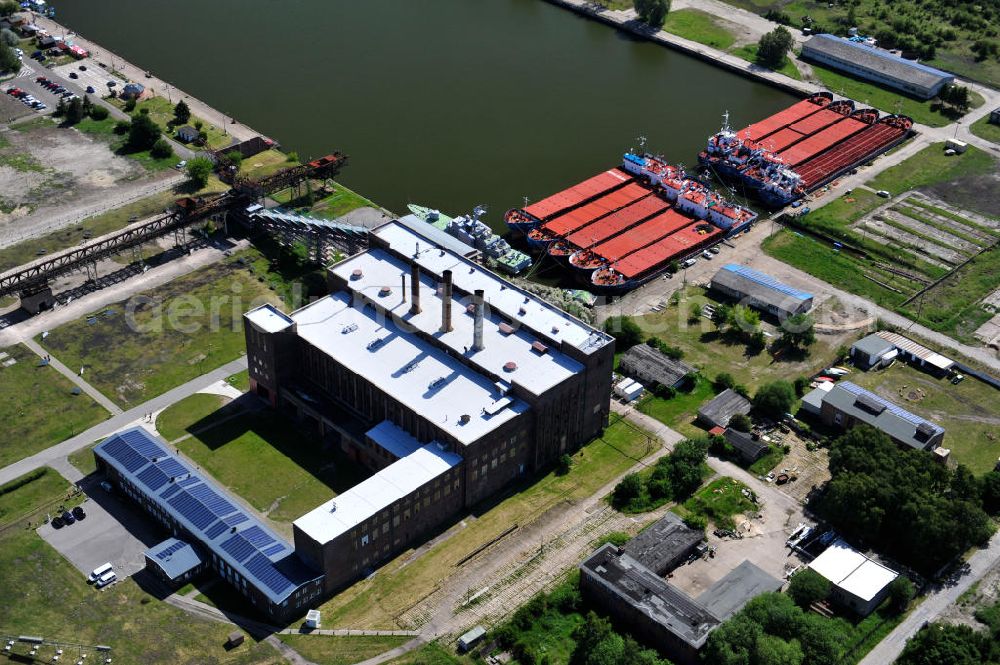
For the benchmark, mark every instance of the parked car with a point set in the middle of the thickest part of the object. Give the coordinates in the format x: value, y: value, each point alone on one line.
x: 714, y: 249
x: 90, y: 89
x: 36, y: 54
x: 181, y: 164
x: 67, y: 517
x: 83, y: 68
x: 79, y: 513
x: 707, y: 255
x: 40, y: 79
x: 689, y: 263
x: 100, y: 572
x: 57, y: 523
x: 106, y: 486
x: 74, y: 75
x: 884, y: 194
x: 105, y: 579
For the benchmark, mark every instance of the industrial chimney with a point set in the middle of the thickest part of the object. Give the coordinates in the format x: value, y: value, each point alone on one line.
x: 414, y: 288
x: 477, y: 330
x: 446, y: 302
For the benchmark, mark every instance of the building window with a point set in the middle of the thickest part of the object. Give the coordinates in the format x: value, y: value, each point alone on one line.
x: 364, y: 540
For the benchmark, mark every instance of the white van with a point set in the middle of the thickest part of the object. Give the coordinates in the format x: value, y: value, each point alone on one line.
x: 105, y: 579
x: 100, y: 571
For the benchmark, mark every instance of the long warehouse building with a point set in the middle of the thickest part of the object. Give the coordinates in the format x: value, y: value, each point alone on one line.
x: 445, y: 379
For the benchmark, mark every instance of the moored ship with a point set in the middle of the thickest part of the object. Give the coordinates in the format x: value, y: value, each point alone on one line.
x: 471, y: 230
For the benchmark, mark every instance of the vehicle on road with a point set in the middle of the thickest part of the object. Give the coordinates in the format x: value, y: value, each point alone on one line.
x: 884, y: 194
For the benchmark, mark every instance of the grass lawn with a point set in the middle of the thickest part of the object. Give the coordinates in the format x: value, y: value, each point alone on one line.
x: 984, y: 129
x: 163, y: 337
x: 301, y: 472
x: 711, y: 354
x: 771, y: 459
x: 889, y: 101
x: 680, y: 411
x: 104, y: 129
x: 431, y: 654
x: 719, y: 501
x: 37, y: 408
x: 175, y: 421
x: 336, y: 204
x: 378, y: 601
x: 266, y: 163
x: 93, y: 227
x: 969, y: 411
x: 161, y: 111
x: 240, y: 381
x: 330, y: 650
x: 47, y: 596
x: 931, y: 166
x: 749, y: 53
x: 698, y: 26
x: 23, y: 496
x: 84, y: 460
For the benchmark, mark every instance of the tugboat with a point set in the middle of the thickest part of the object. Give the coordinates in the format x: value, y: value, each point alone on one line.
x: 471, y: 230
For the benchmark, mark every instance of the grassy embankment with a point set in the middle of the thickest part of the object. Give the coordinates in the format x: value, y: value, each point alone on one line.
x: 161, y: 111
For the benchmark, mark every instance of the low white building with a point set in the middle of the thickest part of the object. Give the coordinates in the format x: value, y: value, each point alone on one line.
x: 857, y: 582
x: 628, y: 389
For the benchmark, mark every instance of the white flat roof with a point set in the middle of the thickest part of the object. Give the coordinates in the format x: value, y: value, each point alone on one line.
x: 501, y: 294
x: 537, y: 372
x: 347, y: 510
x: 852, y: 571
x: 389, y: 436
x: 405, y: 366
x: 268, y: 319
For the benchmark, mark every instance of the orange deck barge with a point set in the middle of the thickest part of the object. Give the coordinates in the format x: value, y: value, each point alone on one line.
x: 576, y: 195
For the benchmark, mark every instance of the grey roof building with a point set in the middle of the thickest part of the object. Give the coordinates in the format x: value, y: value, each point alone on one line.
x: 665, y: 544
x: 876, y: 65
x: 244, y: 551
x: 725, y: 405
x: 648, y: 365
x: 848, y: 404
x: 658, y: 612
x: 749, y: 450
x: 872, y: 351
x: 174, y: 560
x: 187, y: 133
x: 761, y: 291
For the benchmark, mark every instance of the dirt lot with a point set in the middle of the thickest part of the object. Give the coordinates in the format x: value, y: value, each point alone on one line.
x: 50, y: 176
x: 810, y: 468
x: 983, y: 593
x: 763, y: 544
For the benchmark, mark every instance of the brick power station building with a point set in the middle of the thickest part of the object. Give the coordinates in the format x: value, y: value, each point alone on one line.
x: 446, y: 380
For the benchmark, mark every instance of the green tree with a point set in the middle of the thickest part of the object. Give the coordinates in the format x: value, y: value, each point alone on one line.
x: 565, y: 464
x: 161, y: 149
x: 98, y: 112
x: 652, y: 12
x: 773, y: 46
x: 807, y: 587
x: 74, y: 111
x: 8, y: 7
x: 798, y: 330
x: 235, y: 157
x: 9, y: 38
x: 694, y: 312
x: 989, y: 491
x: 774, y: 399
x: 944, y: 644
x: 594, y: 630
x: 901, y: 592
x: 686, y: 462
x: 722, y: 316
x: 198, y: 170
x: 741, y: 422
x: 627, y: 490
x: 181, y: 113
x: 965, y: 485
x: 122, y: 127
x: 773, y: 650
x: 625, y: 331
x: 142, y: 133
x: 723, y: 381
x: 801, y: 385
x: 8, y: 59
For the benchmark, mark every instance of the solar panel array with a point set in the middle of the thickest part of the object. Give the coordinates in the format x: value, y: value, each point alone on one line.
x: 766, y: 280
x: 911, y: 418
x: 167, y: 551
x: 226, y: 529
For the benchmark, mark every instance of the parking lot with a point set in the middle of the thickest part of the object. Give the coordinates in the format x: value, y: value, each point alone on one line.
x: 92, y: 76
x: 112, y: 532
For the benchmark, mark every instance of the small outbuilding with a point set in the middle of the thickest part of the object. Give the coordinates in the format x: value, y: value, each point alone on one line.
x: 872, y: 352
x: 857, y: 582
x: 995, y: 116
x: 187, y: 133
x: 665, y: 544
x: 469, y: 639
x: 174, y: 561
x: 651, y: 366
x: 749, y: 449
x: 132, y: 91
x: 725, y: 405
x: 628, y: 389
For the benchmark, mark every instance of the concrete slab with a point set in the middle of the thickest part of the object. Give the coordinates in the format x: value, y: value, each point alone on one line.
x: 112, y: 532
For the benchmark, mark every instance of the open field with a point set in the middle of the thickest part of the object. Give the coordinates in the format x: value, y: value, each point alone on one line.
x: 679, y: 412
x: 330, y: 205
x: 161, y: 111
x: 911, y: 242
x: 884, y: 99
x: 330, y: 650
x: 969, y: 411
x: 266, y: 163
x: 431, y: 654
x: 93, y: 227
x: 103, y: 130
x: 175, y: 421
x: 953, y: 27
x: 302, y: 471
x: 84, y: 461
x: 718, y: 502
x: 403, y: 582
x: 48, y: 597
x: 699, y: 26
x: 240, y: 381
x: 161, y: 338
x: 42, y: 164
x: 37, y: 408
x: 22, y: 496
x: 984, y: 129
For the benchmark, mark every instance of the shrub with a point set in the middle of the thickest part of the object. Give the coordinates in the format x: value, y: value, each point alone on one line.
x: 807, y: 587
x: 161, y: 149
x: 741, y: 422
x: 98, y: 112
x: 565, y: 464
x: 901, y: 592
x: 121, y: 127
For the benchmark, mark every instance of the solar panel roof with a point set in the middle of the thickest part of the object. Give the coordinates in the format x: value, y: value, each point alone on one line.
x: 766, y: 280
x: 204, y: 510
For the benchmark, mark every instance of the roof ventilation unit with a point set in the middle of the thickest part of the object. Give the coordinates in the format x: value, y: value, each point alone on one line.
x: 356, y: 275
x: 464, y: 420
x: 348, y: 328
x: 506, y: 328
x: 539, y: 347
x: 333, y: 506
x: 436, y: 383
x: 510, y: 366
x: 384, y: 291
